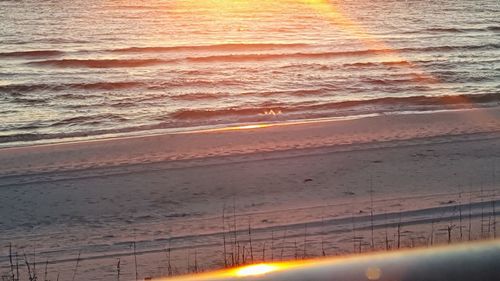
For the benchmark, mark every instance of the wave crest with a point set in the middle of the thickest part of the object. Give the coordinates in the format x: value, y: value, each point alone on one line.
x: 220, y: 47
x: 32, y: 54
x: 26, y: 88
x: 96, y: 63
x: 118, y: 63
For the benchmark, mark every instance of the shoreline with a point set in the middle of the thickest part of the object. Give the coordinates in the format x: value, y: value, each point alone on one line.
x: 186, y: 130
x: 245, y: 140
x: 221, y: 127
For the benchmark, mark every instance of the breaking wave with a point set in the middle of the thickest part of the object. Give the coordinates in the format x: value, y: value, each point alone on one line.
x: 267, y: 111
x: 381, y: 103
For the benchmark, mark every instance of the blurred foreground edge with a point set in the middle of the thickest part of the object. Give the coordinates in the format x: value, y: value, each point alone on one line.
x: 460, y: 262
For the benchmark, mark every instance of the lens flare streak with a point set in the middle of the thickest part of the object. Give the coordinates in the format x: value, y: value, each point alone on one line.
x: 255, y: 270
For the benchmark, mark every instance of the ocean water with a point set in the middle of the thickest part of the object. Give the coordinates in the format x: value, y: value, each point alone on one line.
x: 91, y: 68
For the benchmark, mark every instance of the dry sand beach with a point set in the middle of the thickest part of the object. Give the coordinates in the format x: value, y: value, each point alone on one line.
x: 165, y: 203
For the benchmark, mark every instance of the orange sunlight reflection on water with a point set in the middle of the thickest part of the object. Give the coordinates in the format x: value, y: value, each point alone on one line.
x: 229, y: 14
x: 331, y: 13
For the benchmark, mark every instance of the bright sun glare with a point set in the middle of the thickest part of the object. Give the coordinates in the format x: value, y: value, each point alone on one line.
x: 255, y: 270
